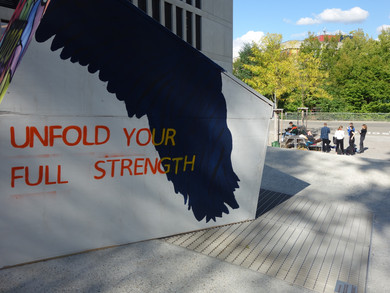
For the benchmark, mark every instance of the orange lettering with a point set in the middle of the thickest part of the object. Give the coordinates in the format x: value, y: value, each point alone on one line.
x: 97, y: 142
x: 85, y: 142
x: 39, y: 181
x: 154, y: 137
x: 52, y: 135
x: 136, y: 166
x: 59, y: 176
x: 149, y: 136
x: 100, y: 170
x: 65, y: 135
x: 47, y: 182
x: 128, y: 136
x: 13, y: 143
x: 34, y: 131
x: 14, y: 176
x: 113, y: 166
x: 148, y: 162
x: 123, y: 166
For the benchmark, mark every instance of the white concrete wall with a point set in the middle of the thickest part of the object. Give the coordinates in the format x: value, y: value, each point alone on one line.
x: 71, y: 210
x: 217, y: 38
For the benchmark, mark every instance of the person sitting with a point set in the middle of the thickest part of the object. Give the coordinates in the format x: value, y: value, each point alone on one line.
x: 310, y: 138
x: 291, y: 130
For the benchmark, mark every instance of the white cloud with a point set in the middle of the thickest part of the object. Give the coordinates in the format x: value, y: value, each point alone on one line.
x: 308, y: 21
x: 249, y: 37
x: 353, y: 15
x: 382, y: 28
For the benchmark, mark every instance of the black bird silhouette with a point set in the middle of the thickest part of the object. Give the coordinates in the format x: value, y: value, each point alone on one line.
x: 159, y: 75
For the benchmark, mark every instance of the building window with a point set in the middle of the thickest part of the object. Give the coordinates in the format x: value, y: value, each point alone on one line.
x: 189, y: 27
x: 179, y: 22
x: 156, y: 10
x: 142, y: 5
x: 198, y: 32
x: 198, y: 4
x: 9, y: 3
x: 168, y: 15
x: 189, y: 2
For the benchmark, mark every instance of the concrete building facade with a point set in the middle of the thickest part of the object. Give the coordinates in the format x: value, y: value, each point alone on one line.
x: 207, y: 25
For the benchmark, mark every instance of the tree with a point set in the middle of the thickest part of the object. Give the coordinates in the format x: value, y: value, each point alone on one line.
x: 271, y: 71
x: 309, y: 79
x: 244, y: 58
x: 361, y: 75
x: 325, y: 51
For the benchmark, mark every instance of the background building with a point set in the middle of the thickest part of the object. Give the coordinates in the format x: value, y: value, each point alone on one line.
x: 205, y: 24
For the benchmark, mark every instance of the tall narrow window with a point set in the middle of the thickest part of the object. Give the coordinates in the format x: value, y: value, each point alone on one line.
x: 198, y: 4
x: 142, y: 5
x: 179, y: 22
x: 168, y: 15
x: 198, y: 32
x: 189, y: 27
x: 189, y: 2
x: 156, y: 10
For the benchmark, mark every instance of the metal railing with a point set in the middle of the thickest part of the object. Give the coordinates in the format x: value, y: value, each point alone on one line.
x: 339, y: 116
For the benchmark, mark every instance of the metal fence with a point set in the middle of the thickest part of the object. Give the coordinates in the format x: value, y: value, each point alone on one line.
x: 339, y: 116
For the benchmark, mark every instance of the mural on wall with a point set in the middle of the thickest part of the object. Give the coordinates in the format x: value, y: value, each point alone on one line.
x: 158, y: 75
x: 16, y: 38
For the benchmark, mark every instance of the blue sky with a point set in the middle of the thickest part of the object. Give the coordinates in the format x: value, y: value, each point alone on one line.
x: 294, y: 19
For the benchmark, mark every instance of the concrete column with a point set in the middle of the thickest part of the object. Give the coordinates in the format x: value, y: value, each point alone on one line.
x: 193, y: 20
x: 174, y: 19
x: 162, y: 12
x: 183, y: 21
x: 149, y: 7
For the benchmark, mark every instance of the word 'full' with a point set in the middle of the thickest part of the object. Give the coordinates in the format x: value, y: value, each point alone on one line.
x: 44, y: 176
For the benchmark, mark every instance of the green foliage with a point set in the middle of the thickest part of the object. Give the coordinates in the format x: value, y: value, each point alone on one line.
x: 361, y: 74
x: 309, y: 79
x: 342, y: 74
x: 269, y: 71
x: 244, y: 58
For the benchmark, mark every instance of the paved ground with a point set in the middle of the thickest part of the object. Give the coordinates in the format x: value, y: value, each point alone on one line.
x: 157, y: 266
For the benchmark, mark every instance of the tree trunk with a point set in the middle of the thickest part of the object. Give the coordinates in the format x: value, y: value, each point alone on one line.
x: 275, y: 101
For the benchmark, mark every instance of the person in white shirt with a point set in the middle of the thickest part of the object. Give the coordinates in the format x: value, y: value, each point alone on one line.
x: 339, y: 134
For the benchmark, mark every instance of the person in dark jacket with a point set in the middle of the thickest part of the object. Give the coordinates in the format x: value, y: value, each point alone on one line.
x: 363, y: 133
x: 351, y: 140
x: 291, y: 130
x: 325, y: 138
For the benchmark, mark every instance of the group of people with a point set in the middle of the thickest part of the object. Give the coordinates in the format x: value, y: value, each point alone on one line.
x: 338, y: 139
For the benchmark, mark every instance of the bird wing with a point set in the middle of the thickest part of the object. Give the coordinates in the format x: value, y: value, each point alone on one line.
x: 159, y: 75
